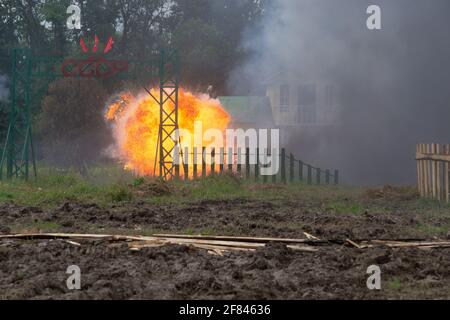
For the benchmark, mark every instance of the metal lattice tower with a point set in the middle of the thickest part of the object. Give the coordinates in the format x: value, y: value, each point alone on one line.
x: 18, y: 150
x: 169, y: 85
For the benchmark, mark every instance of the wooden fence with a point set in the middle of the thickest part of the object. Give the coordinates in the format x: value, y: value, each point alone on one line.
x: 433, y: 162
x: 193, y: 164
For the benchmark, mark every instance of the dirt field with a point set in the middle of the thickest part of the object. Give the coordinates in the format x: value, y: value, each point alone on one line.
x: 36, y: 269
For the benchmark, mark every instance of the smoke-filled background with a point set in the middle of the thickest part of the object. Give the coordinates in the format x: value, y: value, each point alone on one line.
x: 394, y: 86
x: 394, y: 83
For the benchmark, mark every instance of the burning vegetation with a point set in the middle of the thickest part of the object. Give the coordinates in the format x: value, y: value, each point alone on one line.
x: 135, y: 123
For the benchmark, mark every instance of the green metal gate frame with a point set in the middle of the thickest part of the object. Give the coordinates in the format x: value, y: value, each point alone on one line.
x: 18, y: 150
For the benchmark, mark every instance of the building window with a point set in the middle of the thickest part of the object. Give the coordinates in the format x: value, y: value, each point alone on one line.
x: 307, y: 95
x: 307, y: 115
x: 284, y: 97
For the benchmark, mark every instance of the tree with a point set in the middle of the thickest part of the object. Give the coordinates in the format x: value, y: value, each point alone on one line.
x: 208, y: 35
x: 71, y: 128
x: 99, y: 18
x: 144, y: 26
x: 29, y: 27
x: 54, y: 11
x: 203, y: 53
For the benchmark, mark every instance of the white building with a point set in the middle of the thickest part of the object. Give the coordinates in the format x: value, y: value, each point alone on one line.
x: 303, y: 104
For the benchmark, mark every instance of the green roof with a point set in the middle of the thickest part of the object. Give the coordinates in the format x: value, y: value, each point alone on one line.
x: 248, y: 109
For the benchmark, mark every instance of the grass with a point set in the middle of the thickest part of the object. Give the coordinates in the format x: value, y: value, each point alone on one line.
x: 394, y: 284
x: 433, y: 230
x: 119, y: 193
x: 344, y: 207
x: 36, y: 226
x: 51, y: 188
x: 202, y: 231
x: 107, y: 185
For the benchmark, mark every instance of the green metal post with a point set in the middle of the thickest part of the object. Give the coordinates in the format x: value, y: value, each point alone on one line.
x: 230, y: 160
x: 204, y: 162
x: 283, y: 165
x: 18, y: 145
x: 266, y: 151
x: 291, y: 168
x: 257, y: 165
x: 222, y: 160
x: 213, y: 162
x: 195, y: 160
x: 300, y: 170
x: 309, y: 174
x: 247, y: 163
x: 275, y: 157
x: 336, y: 177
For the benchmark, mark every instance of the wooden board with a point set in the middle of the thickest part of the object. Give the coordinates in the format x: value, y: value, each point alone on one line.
x: 219, y: 244
x: 228, y: 238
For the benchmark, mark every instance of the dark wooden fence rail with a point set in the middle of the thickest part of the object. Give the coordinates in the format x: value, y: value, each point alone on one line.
x: 193, y: 164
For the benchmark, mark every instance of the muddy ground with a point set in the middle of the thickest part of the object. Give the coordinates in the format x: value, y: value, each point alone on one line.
x: 36, y: 269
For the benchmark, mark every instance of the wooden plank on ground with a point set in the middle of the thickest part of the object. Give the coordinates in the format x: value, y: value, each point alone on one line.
x: 224, y: 243
x: 229, y: 238
x: 400, y: 244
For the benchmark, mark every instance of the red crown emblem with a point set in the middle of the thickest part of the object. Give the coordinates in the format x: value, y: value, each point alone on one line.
x: 108, y: 46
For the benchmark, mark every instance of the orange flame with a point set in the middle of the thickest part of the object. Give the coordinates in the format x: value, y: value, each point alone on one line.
x: 135, y: 122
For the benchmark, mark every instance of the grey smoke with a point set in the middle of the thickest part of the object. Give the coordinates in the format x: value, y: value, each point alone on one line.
x: 4, y: 91
x: 394, y: 83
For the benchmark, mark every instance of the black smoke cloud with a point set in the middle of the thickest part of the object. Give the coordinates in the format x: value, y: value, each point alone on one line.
x: 394, y: 84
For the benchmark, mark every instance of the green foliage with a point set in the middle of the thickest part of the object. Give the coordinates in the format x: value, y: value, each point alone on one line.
x: 100, y: 17
x: 207, y: 32
x: 120, y: 193
x: 71, y: 127
x: 3, y: 119
x: 138, y: 182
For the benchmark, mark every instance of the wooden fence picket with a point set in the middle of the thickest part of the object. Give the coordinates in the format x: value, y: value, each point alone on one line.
x: 433, y: 164
x: 203, y: 162
x: 255, y: 160
x: 195, y: 163
x: 186, y: 163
